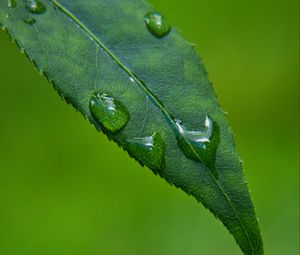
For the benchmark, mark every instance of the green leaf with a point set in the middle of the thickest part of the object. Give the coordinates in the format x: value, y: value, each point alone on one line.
x: 135, y: 78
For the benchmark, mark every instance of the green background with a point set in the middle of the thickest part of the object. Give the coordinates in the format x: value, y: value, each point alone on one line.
x: 66, y: 190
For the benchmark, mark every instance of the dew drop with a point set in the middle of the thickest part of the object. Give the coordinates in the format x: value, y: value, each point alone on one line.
x: 111, y: 114
x: 157, y: 24
x: 200, y: 145
x: 30, y: 21
x: 35, y: 7
x: 149, y: 151
x: 11, y: 3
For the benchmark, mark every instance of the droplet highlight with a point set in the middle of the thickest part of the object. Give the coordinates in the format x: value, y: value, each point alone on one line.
x: 157, y: 24
x: 30, y: 21
x: 35, y: 7
x: 200, y: 145
x: 111, y: 114
x: 149, y: 151
x: 11, y: 3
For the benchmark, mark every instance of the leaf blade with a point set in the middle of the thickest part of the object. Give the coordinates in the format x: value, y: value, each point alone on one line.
x: 163, y: 70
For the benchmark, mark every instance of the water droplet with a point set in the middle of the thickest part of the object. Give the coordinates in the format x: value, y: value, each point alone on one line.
x: 200, y: 145
x: 30, y: 21
x: 35, y: 7
x: 111, y: 114
x: 149, y: 151
x: 11, y: 3
x: 157, y: 24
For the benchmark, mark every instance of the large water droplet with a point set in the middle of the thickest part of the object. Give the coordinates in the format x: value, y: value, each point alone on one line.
x: 157, y: 24
x: 11, y: 3
x: 111, y: 114
x: 35, y: 7
x: 200, y: 145
x: 30, y: 21
x: 149, y: 151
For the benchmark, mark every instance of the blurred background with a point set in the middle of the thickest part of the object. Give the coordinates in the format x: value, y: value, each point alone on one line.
x: 66, y: 190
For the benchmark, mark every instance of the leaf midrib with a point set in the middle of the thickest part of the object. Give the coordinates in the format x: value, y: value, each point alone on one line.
x: 153, y: 98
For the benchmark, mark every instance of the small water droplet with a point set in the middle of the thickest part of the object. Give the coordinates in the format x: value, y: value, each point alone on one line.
x: 200, y: 145
x: 35, y: 7
x: 30, y: 21
x: 11, y: 3
x: 157, y: 24
x: 111, y: 114
x: 149, y: 151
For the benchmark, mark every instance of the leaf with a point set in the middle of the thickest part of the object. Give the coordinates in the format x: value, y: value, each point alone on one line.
x: 142, y: 84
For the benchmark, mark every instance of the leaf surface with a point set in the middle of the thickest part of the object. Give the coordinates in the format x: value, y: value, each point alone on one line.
x: 102, y: 50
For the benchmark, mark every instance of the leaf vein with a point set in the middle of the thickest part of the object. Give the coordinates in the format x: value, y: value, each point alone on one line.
x: 153, y: 98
